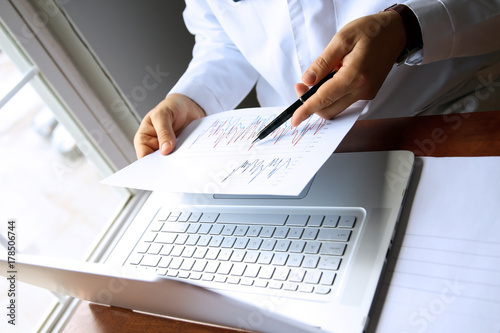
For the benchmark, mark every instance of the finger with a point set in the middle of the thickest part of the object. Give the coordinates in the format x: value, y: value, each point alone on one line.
x: 301, y: 89
x: 329, y: 60
x: 162, y: 123
x: 326, y: 96
x: 145, y: 140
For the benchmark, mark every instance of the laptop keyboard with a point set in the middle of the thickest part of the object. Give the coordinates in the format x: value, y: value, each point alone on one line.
x: 298, y: 254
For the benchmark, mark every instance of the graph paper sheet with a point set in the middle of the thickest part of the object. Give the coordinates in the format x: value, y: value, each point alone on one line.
x: 215, y: 154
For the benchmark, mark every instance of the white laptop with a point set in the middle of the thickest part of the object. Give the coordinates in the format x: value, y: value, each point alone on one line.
x: 269, y: 264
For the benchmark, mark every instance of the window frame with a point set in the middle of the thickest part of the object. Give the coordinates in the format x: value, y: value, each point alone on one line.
x: 85, y: 101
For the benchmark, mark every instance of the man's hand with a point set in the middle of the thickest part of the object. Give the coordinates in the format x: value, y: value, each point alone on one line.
x: 363, y: 53
x: 161, y: 125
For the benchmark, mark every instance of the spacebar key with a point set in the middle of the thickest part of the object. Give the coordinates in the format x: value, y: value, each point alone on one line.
x: 244, y: 218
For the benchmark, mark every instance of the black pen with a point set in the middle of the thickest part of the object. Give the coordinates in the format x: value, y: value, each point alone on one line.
x: 287, y: 114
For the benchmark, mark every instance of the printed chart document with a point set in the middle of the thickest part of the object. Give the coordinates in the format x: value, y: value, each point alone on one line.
x: 444, y: 270
x: 215, y: 154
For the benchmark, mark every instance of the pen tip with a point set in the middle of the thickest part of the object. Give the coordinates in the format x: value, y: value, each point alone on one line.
x: 254, y: 141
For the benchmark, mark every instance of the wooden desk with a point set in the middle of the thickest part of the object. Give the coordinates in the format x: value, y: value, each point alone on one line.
x: 476, y: 134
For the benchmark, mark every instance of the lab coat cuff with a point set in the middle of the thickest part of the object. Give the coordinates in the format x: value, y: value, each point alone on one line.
x: 437, y: 29
x: 199, y: 93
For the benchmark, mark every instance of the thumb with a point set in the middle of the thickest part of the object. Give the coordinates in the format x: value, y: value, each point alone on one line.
x: 164, y: 132
x: 301, y: 89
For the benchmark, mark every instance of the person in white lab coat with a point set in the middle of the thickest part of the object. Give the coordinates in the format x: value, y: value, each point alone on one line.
x: 449, y: 50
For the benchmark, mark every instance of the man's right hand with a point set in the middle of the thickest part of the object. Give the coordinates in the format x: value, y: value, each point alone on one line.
x: 161, y: 125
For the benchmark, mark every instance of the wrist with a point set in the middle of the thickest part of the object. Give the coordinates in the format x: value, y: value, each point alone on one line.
x: 412, y: 29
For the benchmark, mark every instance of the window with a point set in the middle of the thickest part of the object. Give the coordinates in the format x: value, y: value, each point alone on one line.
x: 61, y: 131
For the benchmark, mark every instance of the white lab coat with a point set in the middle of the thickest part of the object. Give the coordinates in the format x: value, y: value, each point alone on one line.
x: 270, y: 43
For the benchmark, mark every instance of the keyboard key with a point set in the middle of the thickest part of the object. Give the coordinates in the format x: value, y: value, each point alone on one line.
x: 260, y: 283
x: 304, y: 288
x: 281, y: 232
x: 259, y: 219
x: 225, y: 268
x: 228, y: 230
x: 143, y: 248
x: 295, y: 233
x: 312, y: 247
x: 315, y: 221
x: 279, y: 259
x: 322, y: 290
x: 310, y: 262
x: 238, y: 269
x: 193, y: 228
x: 187, y: 264
x: 165, y: 238
x: 192, y: 239
x: 254, y: 244
x: 254, y: 231
x: 266, y: 272
x: 327, y: 278
x: 188, y: 252
x: 290, y: 286
x: 216, y: 241
x: 268, y: 244
x: 204, y: 240
x: 347, y: 221
x: 200, y: 252
x: 228, y: 242
x: 208, y: 217
x: 176, y: 263
x: 267, y: 232
x: 241, y: 243
x: 212, y: 254
x: 156, y: 226
x: 238, y: 255
x: 331, y: 221
x: 184, y: 217
x: 281, y: 273
x: 282, y: 245
x: 295, y: 260
x: 194, y: 217
x: 241, y: 230
x: 204, y: 229
x: 251, y: 256
x: 312, y: 276
x: 336, y: 249
x: 334, y: 235
x: 212, y: 267
x: 199, y: 265
x: 297, y: 246
x: 330, y: 263
x: 310, y: 233
x: 275, y: 285
x: 216, y: 229
x: 135, y: 259
x: 252, y: 271
x: 297, y: 275
x: 164, y: 262
x: 225, y: 254
x: 181, y: 239
x: 265, y: 258
x: 297, y: 220
x: 233, y: 280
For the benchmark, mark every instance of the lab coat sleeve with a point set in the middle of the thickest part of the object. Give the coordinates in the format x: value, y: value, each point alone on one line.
x: 218, y: 76
x: 457, y: 28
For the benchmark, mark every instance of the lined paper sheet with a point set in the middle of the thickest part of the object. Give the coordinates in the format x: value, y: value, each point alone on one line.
x: 215, y: 155
x: 444, y: 270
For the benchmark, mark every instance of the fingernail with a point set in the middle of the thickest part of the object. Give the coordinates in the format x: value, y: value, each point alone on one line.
x: 165, y: 147
x: 309, y: 77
